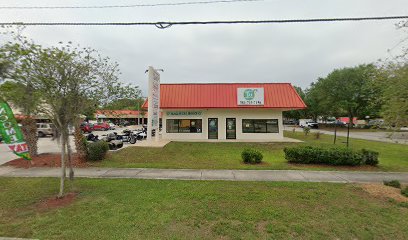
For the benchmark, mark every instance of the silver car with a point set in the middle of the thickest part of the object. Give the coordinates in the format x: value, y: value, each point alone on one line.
x: 44, y: 129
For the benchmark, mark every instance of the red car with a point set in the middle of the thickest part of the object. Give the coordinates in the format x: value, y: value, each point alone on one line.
x: 86, y: 127
x: 103, y: 126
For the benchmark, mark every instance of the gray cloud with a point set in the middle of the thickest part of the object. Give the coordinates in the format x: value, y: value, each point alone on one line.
x: 295, y: 53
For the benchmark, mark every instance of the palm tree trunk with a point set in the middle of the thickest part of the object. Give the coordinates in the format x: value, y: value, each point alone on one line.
x: 29, y: 129
x: 80, y: 143
x: 348, y: 129
x: 62, y: 181
x: 69, y: 151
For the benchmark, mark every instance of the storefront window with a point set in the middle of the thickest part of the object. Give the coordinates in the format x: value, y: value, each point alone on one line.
x: 247, y: 126
x: 184, y: 126
x: 172, y: 125
x: 272, y: 126
x: 260, y: 126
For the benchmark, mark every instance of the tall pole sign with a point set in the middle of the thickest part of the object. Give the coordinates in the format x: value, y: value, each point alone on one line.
x: 153, y: 111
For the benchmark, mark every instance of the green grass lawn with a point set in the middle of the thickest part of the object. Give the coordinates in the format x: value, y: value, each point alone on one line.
x: 199, y: 155
x: 167, y: 209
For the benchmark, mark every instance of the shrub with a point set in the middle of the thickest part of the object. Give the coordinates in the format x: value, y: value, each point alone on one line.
x: 331, y: 156
x: 97, y: 150
x: 405, y: 191
x: 251, y: 156
x: 393, y: 183
x: 306, y: 130
x: 370, y: 157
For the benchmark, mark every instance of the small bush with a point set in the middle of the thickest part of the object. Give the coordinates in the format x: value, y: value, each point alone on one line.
x: 306, y: 130
x: 370, y: 157
x: 405, y: 191
x: 331, y: 156
x: 251, y: 156
x: 97, y: 150
x: 393, y: 183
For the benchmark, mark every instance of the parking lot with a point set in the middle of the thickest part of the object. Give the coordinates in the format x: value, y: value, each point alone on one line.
x: 47, y: 145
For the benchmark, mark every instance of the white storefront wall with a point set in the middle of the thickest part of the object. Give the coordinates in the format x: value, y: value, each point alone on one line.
x: 222, y: 115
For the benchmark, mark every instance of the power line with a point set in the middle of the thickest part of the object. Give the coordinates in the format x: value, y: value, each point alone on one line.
x: 129, y: 6
x: 163, y: 25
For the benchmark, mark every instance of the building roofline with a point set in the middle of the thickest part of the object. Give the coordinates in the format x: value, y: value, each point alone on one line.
x: 298, y: 96
x: 242, y: 107
x: 222, y: 83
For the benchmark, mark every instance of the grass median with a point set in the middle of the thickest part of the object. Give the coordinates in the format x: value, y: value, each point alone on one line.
x: 168, y: 209
x: 227, y: 155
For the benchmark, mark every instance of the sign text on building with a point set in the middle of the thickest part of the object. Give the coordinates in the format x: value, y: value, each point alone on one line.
x: 250, y: 96
x: 185, y: 113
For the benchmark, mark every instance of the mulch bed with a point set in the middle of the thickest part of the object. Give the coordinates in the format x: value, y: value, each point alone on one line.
x: 386, y: 192
x: 45, y: 160
x: 55, y: 202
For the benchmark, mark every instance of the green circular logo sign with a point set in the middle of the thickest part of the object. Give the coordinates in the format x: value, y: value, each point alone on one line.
x: 249, y: 94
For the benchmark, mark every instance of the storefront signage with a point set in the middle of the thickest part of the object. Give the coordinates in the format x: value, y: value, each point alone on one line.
x: 153, y: 102
x: 250, y: 96
x: 185, y: 113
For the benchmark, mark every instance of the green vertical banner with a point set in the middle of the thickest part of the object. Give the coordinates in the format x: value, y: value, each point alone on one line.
x: 11, y: 132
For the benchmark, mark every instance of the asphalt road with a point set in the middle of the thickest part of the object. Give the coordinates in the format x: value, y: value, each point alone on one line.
x: 397, y: 137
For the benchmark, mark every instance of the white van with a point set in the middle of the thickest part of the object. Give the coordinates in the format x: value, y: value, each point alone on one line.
x: 308, y: 123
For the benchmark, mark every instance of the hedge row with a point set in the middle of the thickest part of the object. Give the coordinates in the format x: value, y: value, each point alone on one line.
x: 331, y: 156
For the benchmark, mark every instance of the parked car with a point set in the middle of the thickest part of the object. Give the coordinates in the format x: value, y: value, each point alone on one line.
x: 124, y: 123
x: 312, y: 124
x: 290, y: 122
x: 112, y: 126
x: 103, y: 126
x: 337, y: 122
x: 86, y: 127
x: 308, y: 123
x: 376, y: 123
x: 44, y: 129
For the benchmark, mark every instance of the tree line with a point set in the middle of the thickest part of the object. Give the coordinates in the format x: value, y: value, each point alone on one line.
x: 367, y: 90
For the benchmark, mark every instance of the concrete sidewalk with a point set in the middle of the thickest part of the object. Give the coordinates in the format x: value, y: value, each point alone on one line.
x: 229, y: 175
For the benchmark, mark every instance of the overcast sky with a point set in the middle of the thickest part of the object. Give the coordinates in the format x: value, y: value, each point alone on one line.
x: 295, y: 53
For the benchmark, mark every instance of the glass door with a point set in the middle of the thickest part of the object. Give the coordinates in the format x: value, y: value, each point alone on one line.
x: 213, y: 128
x: 231, y: 128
